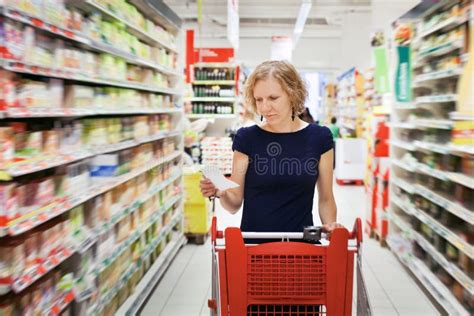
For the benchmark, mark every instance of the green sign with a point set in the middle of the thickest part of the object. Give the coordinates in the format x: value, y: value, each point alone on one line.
x: 382, y: 84
x: 403, y: 91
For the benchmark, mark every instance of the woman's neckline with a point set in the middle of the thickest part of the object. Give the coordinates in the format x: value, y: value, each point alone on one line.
x: 283, y: 133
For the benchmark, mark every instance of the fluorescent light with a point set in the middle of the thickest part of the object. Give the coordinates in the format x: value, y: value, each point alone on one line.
x: 301, y: 20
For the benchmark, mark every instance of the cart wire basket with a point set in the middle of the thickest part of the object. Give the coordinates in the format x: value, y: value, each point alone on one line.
x: 286, y: 278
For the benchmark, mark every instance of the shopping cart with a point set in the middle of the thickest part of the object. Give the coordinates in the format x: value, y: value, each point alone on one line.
x: 286, y: 278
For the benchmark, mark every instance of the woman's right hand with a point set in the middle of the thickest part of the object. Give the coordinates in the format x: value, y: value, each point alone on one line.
x: 208, y: 189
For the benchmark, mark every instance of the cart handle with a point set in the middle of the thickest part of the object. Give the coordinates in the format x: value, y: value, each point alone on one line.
x: 356, y: 233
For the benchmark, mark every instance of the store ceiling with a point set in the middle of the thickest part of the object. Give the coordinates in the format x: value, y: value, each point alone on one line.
x: 264, y: 18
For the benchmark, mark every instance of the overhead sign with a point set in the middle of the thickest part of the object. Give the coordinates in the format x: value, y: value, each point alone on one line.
x: 281, y: 49
x: 233, y: 23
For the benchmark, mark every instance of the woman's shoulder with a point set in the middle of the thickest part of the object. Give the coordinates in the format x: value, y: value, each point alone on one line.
x: 248, y: 130
x: 319, y: 130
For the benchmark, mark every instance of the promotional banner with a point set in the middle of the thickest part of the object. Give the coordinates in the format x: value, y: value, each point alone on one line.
x: 382, y: 82
x: 233, y: 23
x: 282, y: 48
x: 403, y: 91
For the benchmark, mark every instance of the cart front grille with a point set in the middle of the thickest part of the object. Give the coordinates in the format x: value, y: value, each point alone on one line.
x: 285, y: 310
x: 287, y: 276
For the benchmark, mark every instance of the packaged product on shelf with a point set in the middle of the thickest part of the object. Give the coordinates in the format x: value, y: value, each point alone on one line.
x: 12, y: 39
x: 77, y: 96
x: 7, y: 145
x: 104, y: 166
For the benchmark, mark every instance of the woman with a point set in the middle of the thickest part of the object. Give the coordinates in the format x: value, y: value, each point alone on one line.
x: 278, y: 163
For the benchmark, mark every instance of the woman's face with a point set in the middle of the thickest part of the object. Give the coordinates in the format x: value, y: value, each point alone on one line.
x: 272, y: 101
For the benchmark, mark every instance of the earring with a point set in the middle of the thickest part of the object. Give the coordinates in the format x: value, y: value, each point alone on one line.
x: 292, y: 115
x: 261, y: 117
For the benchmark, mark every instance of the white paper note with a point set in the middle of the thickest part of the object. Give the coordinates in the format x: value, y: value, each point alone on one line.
x: 217, y: 178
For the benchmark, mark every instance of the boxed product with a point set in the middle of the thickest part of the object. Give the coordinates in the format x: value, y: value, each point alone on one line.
x: 104, y: 166
x: 8, y: 202
x: 463, y: 133
x: 77, y: 96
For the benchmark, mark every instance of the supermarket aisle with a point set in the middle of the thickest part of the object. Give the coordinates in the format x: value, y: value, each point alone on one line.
x: 186, y: 286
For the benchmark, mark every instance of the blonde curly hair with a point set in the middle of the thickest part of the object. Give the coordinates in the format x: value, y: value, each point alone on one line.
x: 289, y: 79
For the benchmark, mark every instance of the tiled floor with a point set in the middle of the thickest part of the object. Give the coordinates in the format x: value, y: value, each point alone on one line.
x: 185, y: 288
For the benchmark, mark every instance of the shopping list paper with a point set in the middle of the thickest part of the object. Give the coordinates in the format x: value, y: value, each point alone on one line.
x: 217, y: 178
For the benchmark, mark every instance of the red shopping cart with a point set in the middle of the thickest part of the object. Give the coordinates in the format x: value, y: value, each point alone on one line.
x: 286, y: 278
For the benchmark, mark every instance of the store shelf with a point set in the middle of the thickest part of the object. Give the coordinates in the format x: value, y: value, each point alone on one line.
x: 38, y: 70
x: 213, y: 99
x: 135, y: 205
x: 404, y: 165
x: 467, y: 181
x: 124, y: 245
x: 60, y: 304
x: 402, y: 184
x: 44, y: 214
x: 214, y: 82
x: 440, y: 50
x: 78, y: 112
x: 36, y: 272
x: 438, y: 228
x: 46, y: 162
x: 442, y: 98
x: 90, y: 5
x: 151, y: 278
x: 211, y: 116
x: 457, y: 116
x: 448, y: 24
x: 453, y: 207
x: 170, y: 249
x: 434, y: 123
x: 462, y: 149
x: 214, y: 65
x: 403, y: 145
x: 402, y: 125
x: 450, y: 267
x: 438, y: 148
x: 407, y: 107
x: 437, y: 75
x: 439, y: 174
x: 23, y: 17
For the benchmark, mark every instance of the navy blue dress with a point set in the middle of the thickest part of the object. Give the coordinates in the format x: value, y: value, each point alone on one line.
x: 281, y: 176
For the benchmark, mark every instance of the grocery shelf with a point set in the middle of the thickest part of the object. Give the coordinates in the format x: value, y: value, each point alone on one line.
x: 151, y: 278
x: 439, y: 174
x: 448, y: 24
x: 36, y: 272
x: 463, y: 149
x: 440, y: 229
x: 450, y: 267
x: 44, y: 214
x: 431, y: 283
x: 50, y: 161
x: 38, y: 70
x: 404, y: 165
x: 90, y: 5
x: 436, y: 98
x: 214, y: 65
x: 453, y: 207
x: 436, y: 75
x: 441, y: 50
x: 170, y: 249
x: 403, y: 145
x: 211, y: 116
x: 214, y: 82
x: 60, y: 303
x: 438, y: 148
x: 213, y: 99
x: 467, y: 181
x: 434, y: 123
x: 402, y: 125
x: 457, y: 116
x: 78, y: 112
x: 402, y: 184
x: 135, y: 205
x: 23, y: 17
x: 406, y: 107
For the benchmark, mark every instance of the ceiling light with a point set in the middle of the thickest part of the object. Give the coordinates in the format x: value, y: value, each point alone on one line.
x: 301, y: 20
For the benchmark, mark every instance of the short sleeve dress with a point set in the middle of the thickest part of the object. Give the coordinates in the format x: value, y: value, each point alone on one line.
x: 281, y: 176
